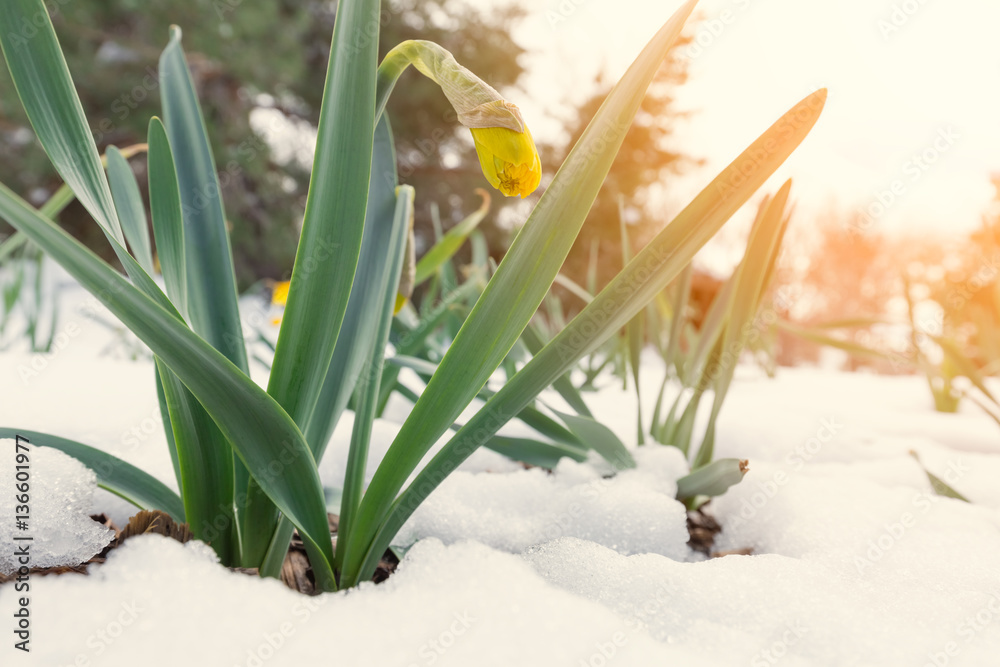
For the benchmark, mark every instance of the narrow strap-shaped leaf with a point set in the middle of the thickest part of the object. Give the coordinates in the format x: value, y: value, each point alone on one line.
x: 353, y: 349
x: 205, y: 463
x: 752, y: 275
x: 211, y: 283
x: 56, y: 115
x: 678, y: 316
x: 131, y: 210
x: 165, y: 209
x: 574, y: 288
x: 43, y: 83
x: 168, y: 431
x: 564, y: 385
x: 634, y: 330
x: 939, y: 486
x: 646, y: 275
x: 55, y: 204
x: 333, y: 224
x: 520, y: 283
x: 712, y: 328
x: 600, y: 438
x: 367, y: 391
x: 120, y: 478
x: 815, y: 336
x: 535, y: 452
x: 445, y: 249
x: 411, y: 342
x: 46, y: 90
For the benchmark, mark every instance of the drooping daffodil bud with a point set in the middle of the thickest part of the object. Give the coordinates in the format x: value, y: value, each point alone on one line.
x: 506, y: 150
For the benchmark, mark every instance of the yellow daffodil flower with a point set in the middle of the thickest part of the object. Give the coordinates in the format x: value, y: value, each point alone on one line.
x: 509, y: 159
x: 506, y: 150
x: 279, y: 297
x: 280, y: 294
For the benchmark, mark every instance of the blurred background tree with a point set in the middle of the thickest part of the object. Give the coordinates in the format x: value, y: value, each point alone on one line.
x: 260, y: 69
x: 643, y: 164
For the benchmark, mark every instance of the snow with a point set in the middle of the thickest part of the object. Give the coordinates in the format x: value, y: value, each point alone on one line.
x: 855, y: 561
x: 60, y: 492
x: 632, y: 512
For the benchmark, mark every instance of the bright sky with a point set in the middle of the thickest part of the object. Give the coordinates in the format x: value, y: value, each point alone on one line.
x: 925, y: 89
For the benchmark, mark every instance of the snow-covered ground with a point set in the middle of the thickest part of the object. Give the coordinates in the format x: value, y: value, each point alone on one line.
x: 856, y: 561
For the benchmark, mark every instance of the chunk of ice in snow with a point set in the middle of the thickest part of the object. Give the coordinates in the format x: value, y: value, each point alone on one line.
x: 60, y: 496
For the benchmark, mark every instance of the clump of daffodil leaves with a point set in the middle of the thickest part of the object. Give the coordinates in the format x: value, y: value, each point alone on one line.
x: 246, y: 457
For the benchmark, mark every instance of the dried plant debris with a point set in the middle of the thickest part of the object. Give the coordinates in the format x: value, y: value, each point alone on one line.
x: 702, y: 527
x: 82, y: 567
x: 297, y: 574
x: 155, y: 521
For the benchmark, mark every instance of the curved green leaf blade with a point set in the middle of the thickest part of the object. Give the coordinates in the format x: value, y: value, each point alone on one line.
x: 353, y: 349
x: 564, y: 385
x: 131, y: 210
x: 211, y: 283
x: 205, y: 465
x: 165, y: 209
x: 751, y: 281
x: 940, y: 487
x: 595, y: 435
x: 333, y: 224
x: 367, y: 390
x: 445, y: 249
x: 43, y: 83
x: 535, y: 452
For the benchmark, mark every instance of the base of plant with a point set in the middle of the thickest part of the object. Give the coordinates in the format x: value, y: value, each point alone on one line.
x: 296, y: 572
x: 702, y: 527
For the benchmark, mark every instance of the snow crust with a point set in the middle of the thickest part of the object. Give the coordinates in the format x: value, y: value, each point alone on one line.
x: 60, y: 497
